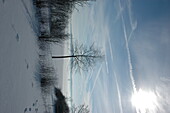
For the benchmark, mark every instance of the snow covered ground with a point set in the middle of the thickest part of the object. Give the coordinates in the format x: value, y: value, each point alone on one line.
x: 18, y: 57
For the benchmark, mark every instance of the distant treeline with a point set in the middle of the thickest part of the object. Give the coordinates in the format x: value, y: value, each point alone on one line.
x: 58, y: 13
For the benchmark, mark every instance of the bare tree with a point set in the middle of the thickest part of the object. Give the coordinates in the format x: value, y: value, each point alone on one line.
x: 83, y: 57
x: 80, y: 109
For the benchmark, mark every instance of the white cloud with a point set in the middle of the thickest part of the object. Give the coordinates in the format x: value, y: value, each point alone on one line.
x: 163, y: 97
x: 118, y: 92
x: 133, y: 22
x: 128, y: 54
x: 151, y: 50
x: 95, y: 80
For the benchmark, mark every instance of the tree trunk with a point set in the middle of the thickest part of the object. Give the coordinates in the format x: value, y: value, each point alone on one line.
x: 67, y: 56
x: 71, y: 56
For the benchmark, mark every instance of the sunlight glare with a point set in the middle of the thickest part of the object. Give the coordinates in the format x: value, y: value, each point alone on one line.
x: 144, y: 101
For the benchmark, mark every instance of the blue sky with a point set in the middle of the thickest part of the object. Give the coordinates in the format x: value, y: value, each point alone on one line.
x: 134, y: 35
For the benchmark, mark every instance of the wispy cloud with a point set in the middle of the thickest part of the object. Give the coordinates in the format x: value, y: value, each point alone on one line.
x: 118, y: 16
x: 95, y: 80
x: 151, y: 49
x: 133, y: 22
x: 110, y: 48
x: 162, y: 92
x: 118, y: 92
x: 128, y: 51
x: 107, y: 41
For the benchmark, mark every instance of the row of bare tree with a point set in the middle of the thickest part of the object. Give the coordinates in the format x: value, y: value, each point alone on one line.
x: 58, y: 18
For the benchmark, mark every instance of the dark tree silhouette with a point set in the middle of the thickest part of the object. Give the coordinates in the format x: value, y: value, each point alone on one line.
x: 83, y: 57
x: 60, y: 104
x: 62, y: 107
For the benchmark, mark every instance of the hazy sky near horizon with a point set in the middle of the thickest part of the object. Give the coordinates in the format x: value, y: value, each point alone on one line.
x: 135, y: 37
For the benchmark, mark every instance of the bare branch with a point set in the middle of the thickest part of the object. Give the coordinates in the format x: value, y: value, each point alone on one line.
x: 83, y: 57
x: 80, y: 109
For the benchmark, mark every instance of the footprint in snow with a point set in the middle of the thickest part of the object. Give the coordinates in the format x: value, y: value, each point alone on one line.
x: 25, y: 110
x: 27, y: 63
x: 32, y: 86
x: 17, y: 37
x: 36, y: 110
x: 27, y: 66
x: 36, y: 100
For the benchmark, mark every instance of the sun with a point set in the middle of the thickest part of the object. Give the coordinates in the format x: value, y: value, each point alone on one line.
x: 144, y: 101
